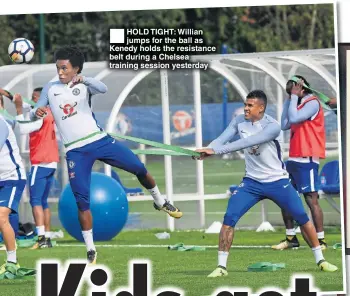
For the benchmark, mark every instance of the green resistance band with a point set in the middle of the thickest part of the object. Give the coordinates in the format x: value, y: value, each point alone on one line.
x: 323, y: 98
x: 28, y: 101
x: 165, y: 149
x: 7, y: 115
x: 158, y: 152
x: 178, y: 150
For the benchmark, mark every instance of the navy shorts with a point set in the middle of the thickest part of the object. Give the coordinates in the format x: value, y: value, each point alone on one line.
x: 304, y: 176
x: 40, y: 179
x: 250, y: 192
x: 11, y: 194
x: 107, y: 150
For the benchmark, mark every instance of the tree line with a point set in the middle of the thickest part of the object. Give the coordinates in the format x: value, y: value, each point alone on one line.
x: 241, y: 29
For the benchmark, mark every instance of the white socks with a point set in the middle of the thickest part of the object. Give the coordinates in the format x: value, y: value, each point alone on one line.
x: 158, y: 199
x: 318, y: 254
x: 320, y: 235
x: 11, y: 256
x: 89, y: 241
x: 40, y: 230
x: 290, y: 232
x: 222, y: 258
x: 48, y: 234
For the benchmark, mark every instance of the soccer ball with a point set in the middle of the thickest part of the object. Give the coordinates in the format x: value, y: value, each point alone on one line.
x: 21, y: 51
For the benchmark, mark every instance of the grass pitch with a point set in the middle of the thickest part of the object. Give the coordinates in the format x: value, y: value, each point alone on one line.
x: 189, y: 270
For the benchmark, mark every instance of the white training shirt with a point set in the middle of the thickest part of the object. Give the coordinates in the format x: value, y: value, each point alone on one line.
x: 71, y: 109
x: 11, y: 165
x: 260, y: 141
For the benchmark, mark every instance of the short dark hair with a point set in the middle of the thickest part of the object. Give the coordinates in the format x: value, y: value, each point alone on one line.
x: 71, y: 53
x: 258, y: 94
x: 290, y: 84
x: 38, y: 89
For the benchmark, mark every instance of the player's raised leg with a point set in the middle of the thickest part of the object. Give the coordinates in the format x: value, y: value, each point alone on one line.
x: 80, y: 162
x: 10, y: 195
x: 286, y: 197
x: 118, y: 155
x: 242, y: 199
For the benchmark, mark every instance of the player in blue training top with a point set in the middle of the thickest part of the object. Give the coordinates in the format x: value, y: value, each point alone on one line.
x: 265, y: 177
x: 85, y: 141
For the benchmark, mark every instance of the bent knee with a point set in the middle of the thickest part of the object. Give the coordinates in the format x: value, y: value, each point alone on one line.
x: 83, y: 203
x: 140, y: 170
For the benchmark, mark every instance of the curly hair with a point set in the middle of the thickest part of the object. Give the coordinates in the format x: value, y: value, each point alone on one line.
x: 71, y: 53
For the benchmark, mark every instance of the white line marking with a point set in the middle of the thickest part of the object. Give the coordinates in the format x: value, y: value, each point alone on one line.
x: 216, y: 213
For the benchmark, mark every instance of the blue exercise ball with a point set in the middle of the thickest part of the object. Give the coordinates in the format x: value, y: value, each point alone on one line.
x: 108, y: 205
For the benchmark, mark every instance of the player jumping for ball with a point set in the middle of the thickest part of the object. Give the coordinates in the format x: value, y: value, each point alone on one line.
x: 85, y: 141
x: 266, y: 176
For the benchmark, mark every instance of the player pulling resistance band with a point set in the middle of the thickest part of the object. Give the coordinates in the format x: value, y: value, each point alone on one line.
x: 70, y: 101
x: 266, y: 176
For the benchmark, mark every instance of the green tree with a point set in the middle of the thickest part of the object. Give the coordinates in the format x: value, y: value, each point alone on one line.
x: 246, y: 29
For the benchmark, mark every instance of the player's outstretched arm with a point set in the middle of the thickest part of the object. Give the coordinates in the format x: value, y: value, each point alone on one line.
x: 307, y: 111
x: 94, y: 86
x: 270, y: 132
x: 285, y: 124
x: 227, y: 134
x: 225, y: 137
x: 4, y: 132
